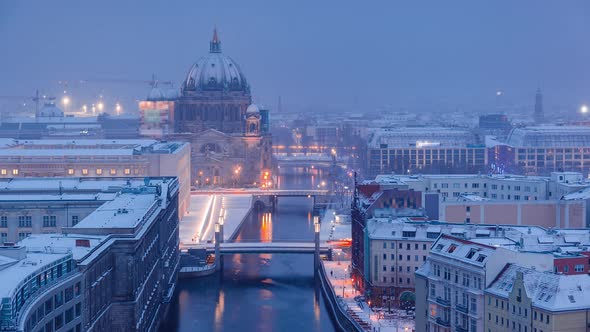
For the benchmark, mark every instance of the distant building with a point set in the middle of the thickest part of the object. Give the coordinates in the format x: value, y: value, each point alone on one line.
x: 542, y: 150
x: 97, y: 158
x: 115, y: 269
x: 539, y: 116
x: 425, y: 150
x: 494, y: 124
x: 498, y: 199
x: 229, y: 135
x: 52, y: 123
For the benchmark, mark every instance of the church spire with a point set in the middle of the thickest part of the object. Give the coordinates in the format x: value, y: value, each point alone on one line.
x: 215, y: 44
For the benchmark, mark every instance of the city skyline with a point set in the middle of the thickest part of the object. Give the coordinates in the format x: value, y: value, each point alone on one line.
x: 422, y: 56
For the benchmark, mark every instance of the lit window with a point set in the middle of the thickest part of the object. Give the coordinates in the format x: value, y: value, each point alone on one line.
x: 71, y: 171
x: 4, y: 172
x: 136, y: 171
x: 127, y: 171
x: 113, y: 171
x: 99, y: 171
x: 84, y: 171
x: 15, y: 171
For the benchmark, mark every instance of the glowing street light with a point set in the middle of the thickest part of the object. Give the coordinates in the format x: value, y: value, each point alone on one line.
x: 65, y: 100
x: 118, y: 108
x: 85, y: 108
x: 100, y: 106
x: 584, y: 109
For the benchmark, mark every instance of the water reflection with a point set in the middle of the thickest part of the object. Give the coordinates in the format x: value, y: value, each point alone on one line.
x: 258, y: 292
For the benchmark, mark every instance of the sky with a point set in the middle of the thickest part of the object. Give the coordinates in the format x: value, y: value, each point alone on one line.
x: 317, y: 55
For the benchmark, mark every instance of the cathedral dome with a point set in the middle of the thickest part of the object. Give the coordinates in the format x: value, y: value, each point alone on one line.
x: 215, y: 72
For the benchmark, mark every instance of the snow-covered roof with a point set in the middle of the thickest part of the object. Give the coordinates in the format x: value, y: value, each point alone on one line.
x: 550, y: 136
x: 86, y: 147
x: 548, y: 291
x: 418, y: 137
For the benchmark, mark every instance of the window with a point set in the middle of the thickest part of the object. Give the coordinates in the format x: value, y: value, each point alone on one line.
x: 392, y: 257
x: 566, y: 268
x: 432, y: 290
x: 113, y: 171
x: 15, y: 171
x: 59, y: 299
x: 59, y: 321
x: 579, y: 268
x: 75, y: 220
x: 127, y: 171
x: 3, y: 238
x: 4, y: 221
x: 99, y: 171
x: 24, y: 221
x: 84, y: 171
x: 424, y: 247
x: 49, y: 221
x: 384, y: 257
x: 3, y: 171
x: 78, y: 309
x: 384, y: 268
x: 69, y: 316
x: 69, y: 294
x: 48, y: 306
x: 384, y: 245
x: 71, y: 171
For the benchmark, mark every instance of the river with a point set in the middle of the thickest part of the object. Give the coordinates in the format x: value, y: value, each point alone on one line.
x: 259, y: 292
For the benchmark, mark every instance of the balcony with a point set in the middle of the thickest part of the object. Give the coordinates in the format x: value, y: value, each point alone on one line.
x: 462, y: 308
x: 461, y: 329
x: 443, y: 302
x: 443, y: 322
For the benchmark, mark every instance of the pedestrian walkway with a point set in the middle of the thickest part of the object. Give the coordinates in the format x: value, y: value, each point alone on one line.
x: 371, y: 319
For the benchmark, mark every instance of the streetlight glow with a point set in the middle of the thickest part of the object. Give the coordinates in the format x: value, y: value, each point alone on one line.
x: 584, y: 109
x: 65, y: 100
x: 100, y: 106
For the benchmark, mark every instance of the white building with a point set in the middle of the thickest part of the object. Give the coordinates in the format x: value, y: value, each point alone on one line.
x: 97, y: 158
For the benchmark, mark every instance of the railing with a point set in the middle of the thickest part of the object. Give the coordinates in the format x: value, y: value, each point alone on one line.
x: 443, y: 302
x: 462, y: 308
x: 442, y: 322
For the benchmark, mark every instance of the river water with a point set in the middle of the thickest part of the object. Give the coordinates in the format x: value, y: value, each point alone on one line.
x: 259, y: 292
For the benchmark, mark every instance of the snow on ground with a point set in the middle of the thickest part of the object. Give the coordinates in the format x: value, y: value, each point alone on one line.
x: 198, y: 226
x: 333, y: 228
x: 378, y: 319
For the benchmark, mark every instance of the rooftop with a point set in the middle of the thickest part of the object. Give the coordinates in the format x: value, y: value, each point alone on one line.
x: 548, y: 291
x: 85, y: 147
x: 550, y: 136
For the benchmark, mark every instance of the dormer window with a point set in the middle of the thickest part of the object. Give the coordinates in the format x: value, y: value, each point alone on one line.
x: 471, y: 253
x: 452, y: 248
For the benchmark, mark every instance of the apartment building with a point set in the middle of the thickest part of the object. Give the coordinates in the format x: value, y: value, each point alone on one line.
x: 527, y: 300
x: 116, y: 269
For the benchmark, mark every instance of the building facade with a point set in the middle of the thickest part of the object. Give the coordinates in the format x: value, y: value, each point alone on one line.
x: 425, y: 150
x: 523, y: 299
x: 116, y: 269
x: 230, y: 139
x: 97, y: 159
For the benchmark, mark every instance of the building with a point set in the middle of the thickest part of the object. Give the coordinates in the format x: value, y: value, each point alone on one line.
x: 524, y: 299
x: 50, y: 122
x: 539, y: 116
x: 498, y: 199
x: 97, y: 159
x: 450, y: 285
x: 425, y: 150
x: 370, y: 201
x: 541, y: 150
x: 230, y: 139
x: 116, y: 269
x: 396, y: 247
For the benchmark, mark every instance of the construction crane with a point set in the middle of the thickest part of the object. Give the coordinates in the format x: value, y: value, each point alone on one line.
x: 153, y: 82
x: 36, y: 98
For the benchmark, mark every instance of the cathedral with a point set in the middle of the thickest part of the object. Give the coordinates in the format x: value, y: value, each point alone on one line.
x: 229, y: 135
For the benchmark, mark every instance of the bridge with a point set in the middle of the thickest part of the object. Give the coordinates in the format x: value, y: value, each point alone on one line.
x: 309, y: 160
x: 269, y: 197
x: 264, y: 248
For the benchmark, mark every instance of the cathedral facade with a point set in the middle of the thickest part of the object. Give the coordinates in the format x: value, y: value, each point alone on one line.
x: 230, y: 142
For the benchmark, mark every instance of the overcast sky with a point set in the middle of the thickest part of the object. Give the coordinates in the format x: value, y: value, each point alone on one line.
x: 312, y: 53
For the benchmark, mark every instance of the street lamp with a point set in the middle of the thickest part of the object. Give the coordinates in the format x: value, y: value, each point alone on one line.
x: 66, y: 102
x: 100, y: 106
x: 118, y: 108
x: 584, y: 109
